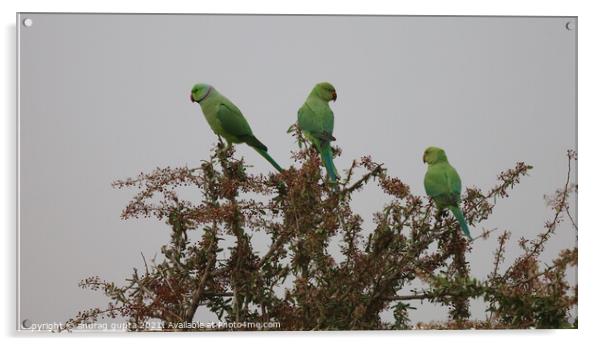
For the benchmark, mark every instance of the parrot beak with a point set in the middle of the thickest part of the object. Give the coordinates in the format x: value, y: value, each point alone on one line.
x: 424, y: 158
x: 192, y: 99
x: 334, y: 96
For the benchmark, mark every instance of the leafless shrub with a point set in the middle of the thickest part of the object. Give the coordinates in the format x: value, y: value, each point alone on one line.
x: 302, y: 212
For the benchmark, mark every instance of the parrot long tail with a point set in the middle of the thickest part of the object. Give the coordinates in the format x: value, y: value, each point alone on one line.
x: 460, y: 217
x: 269, y: 158
x: 326, y: 155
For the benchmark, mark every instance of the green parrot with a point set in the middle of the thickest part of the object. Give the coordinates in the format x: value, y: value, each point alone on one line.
x: 443, y: 184
x: 226, y: 120
x: 316, y: 120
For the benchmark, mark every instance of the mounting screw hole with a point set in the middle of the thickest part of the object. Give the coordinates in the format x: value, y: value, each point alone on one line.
x: 569, y: 25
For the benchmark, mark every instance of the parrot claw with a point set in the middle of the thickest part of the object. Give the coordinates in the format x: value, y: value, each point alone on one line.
x: 441, y: 214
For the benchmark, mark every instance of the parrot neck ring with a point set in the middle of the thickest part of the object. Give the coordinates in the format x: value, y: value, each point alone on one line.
x: 209, y: 89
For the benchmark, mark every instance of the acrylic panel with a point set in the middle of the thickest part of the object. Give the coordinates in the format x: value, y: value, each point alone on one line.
x: 135, y: 215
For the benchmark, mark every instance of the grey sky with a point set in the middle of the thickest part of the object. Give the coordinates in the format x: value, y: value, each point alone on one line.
x: 106, y: 97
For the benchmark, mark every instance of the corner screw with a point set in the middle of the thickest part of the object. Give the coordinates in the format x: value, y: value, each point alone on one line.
x: 569, y: 25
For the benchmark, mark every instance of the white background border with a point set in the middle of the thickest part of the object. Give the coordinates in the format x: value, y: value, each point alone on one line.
x: 590, y: 101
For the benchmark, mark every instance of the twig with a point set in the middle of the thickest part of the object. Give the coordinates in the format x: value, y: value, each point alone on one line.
x: 275, y: 245
x: 412, y: 297
x: 198, y: 292
x: 363, y: 179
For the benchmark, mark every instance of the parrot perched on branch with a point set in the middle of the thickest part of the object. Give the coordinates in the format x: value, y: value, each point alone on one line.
x: 316, y: 120
x: 226, y: 120
x: 443, y: 184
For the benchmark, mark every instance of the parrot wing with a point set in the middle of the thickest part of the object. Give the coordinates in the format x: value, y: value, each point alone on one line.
x: 235, y: 124
x: 232, y: 120
x: 319, y: 130
x: 317, y: 126
x: 454, y: 184
x: 442, y: 183
x: 435, y: 182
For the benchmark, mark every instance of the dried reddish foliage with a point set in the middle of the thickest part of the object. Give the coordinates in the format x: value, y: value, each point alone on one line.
x: 297, y: 282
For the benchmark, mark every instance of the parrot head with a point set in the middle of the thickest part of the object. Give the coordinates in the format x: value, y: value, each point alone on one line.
x: 434, y: 155
x: 199, y: 92
x: 325, y: 91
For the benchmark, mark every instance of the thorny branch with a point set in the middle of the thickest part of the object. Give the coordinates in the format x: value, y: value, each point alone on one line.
x: 297, y: 281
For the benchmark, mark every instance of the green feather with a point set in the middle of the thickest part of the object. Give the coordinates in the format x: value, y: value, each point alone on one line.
x: 443, y: 184
x: 269, y: 158
x: 326, y: 155
x: 461, y: 220
x: 226, y: 120
x: 316, y: 120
